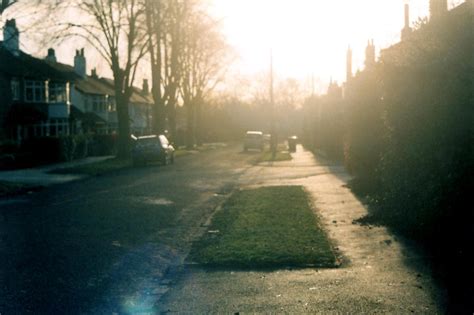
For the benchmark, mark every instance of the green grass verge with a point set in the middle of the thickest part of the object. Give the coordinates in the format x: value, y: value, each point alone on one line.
x: 279, y: 156
x: 268, y: 227
x: 11, y: 189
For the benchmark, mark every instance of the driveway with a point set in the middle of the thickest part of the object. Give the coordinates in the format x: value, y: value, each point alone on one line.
x: 380, y: 273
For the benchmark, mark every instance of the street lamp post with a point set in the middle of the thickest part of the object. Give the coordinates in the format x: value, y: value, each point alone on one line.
x: 273, y: 139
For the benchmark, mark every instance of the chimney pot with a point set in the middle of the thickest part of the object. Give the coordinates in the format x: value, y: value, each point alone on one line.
x: 11, y: 37
x: 51, y: 55
x: 80, y: 63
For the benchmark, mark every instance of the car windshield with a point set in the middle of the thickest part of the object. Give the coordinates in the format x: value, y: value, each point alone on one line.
x: 254, y: 136
x: 146, y: 141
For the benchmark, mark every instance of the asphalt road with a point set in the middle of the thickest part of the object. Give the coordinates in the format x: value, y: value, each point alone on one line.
x: 193, y: 187
x: 380, y: 274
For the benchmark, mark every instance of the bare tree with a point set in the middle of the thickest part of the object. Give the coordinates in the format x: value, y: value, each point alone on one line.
x: 164, y: 20
x: 115, y: 29
x: 203, y: 61
x: 4, y: 4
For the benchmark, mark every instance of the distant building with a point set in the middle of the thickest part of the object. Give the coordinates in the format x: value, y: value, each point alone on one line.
x: 41, y: 97
x: 94, y: 98
x: 370, y: 54
x: 34, y: 94
x: 349, y: 64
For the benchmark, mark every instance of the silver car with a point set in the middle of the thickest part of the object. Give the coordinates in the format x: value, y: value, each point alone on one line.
x: 254, y: 140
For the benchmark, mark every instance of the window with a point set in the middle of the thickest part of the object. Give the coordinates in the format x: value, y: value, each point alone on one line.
x: 99, y: 103
x: 58, y: 92
x: 35, y: 91
x: 15, y: 85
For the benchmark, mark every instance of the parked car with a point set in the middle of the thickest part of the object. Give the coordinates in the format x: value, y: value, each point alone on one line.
x: 254, y: 140
x: 152, y: 148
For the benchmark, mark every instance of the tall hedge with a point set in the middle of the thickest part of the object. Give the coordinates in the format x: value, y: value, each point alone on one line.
x: 423, y: 135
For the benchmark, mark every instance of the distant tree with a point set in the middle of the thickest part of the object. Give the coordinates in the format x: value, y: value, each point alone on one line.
x: 204, y: 61
x: 5, y: 4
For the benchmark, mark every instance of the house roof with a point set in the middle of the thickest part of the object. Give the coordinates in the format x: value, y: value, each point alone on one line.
x: 137, y: 95
x: 25, y: 65
x: 94, y: 85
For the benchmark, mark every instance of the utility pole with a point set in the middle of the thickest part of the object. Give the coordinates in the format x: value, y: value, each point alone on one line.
x: 273, y: 139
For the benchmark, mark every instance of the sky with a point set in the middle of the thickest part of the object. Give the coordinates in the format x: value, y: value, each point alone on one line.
x: 307, y: 38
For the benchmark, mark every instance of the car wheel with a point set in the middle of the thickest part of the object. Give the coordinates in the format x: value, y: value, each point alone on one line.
x: 164, y: 159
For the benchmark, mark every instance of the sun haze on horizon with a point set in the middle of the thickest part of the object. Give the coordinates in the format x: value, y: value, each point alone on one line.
x: 310, y: 37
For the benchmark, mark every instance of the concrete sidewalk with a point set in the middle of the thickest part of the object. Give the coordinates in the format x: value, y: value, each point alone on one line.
x: 379, y: 275
x: 40, y: 175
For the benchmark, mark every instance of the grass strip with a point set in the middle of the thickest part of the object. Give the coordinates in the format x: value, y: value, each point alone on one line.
x: 279, y: 156
x: 268, y: 227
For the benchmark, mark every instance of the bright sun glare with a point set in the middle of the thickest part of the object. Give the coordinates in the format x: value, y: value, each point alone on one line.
x: 308, y: 38
x: 311, y: 37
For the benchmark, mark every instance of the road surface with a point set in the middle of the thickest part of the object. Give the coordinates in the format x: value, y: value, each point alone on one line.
x: 379, y: 273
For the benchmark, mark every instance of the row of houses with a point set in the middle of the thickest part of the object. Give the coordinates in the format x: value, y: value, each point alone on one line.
x: 42, y: 97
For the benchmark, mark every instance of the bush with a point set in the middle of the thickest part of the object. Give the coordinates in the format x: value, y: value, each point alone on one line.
x: 103, y: 145
x: 8, y: 147
x: 43, y: 150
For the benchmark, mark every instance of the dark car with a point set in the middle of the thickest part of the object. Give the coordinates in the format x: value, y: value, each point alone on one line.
x: 152, y: 148
x: 292, y: 141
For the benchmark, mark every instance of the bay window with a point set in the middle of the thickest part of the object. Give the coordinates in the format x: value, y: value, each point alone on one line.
x: 58, y: 92
x: 35, y: 91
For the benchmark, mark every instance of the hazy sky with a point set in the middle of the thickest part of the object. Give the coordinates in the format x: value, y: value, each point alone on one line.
x: 311, y: 36
x: 308, y: 37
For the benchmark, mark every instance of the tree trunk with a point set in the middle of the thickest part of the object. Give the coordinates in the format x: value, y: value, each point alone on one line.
x: 172, y: 121
x: 190, y: 132
x: 199, y: 128
x: 158, y: 116
x: 123, y: 143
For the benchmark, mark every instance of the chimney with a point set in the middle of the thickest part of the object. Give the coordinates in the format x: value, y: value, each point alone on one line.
x: 349, y: 64
x: 407, y: 15
x: 94, y: 73
x: 11, y: 37
x: 145, y: 88
x: 370, y: 54
x: 406, y: 31
x: 80, y: 63
x: 51, y: 55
